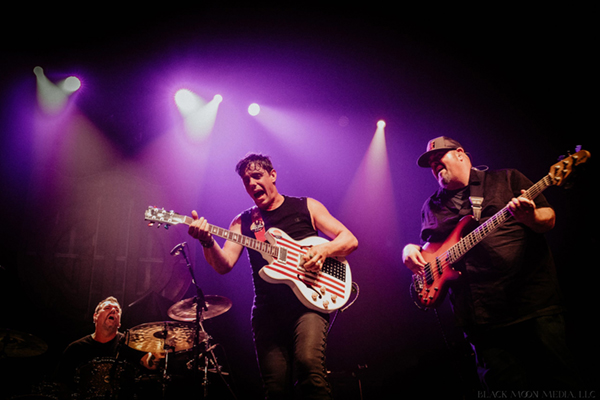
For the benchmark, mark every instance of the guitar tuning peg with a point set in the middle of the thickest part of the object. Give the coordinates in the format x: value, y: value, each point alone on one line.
x: 167, y: 227
x: 150, y: 223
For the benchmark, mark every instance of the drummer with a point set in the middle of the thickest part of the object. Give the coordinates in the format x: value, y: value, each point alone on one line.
x: 105, y: 342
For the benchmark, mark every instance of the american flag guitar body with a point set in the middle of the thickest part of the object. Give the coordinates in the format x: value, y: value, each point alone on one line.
x: 324, y: 291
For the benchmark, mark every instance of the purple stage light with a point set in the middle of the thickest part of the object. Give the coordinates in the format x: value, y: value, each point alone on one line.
x: 199, y: 115
x: 53, y: 97
x: 71, y: 84
x: 187, y: 101
x: 254, y: 109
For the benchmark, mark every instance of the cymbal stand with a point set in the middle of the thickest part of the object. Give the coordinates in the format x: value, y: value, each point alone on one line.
x: 167, y: 349
x: 165, y: 377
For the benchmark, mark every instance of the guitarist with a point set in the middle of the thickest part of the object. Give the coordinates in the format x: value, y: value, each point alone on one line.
x: 289, y: 338
x: 507, y: 299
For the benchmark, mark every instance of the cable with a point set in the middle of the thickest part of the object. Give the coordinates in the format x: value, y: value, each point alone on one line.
x: 354, y: 289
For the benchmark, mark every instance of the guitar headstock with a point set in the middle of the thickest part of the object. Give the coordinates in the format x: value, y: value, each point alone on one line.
x: 560, y: 171
x: 162, y: 217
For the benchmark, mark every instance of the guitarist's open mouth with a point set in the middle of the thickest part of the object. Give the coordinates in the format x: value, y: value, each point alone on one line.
x: 258, y: 193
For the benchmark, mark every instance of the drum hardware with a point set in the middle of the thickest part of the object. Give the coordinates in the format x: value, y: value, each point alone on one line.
x: 212, y: 367
x: 165, y: 337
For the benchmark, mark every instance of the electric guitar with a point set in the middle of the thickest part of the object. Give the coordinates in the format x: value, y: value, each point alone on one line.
x: 324, y: 291
x: 432, y: 282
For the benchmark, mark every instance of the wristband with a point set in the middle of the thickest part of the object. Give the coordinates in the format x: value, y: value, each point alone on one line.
x: 208, y: 245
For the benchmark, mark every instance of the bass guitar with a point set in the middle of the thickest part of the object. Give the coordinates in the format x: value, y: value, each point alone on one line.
x: 431, y: 283
x: 323, y: 291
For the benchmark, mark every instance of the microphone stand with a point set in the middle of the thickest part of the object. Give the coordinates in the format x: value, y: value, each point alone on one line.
x: 200, y: 302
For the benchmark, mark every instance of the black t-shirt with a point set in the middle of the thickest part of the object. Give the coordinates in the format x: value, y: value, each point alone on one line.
x: 509, y: 276
x: 82, y: 351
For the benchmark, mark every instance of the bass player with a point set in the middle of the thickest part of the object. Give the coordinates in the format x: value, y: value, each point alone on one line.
x: 289, y: 338
x: 506, y: 298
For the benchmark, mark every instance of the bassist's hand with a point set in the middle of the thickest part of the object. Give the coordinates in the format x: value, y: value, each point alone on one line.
x: 540, y: 220
x: 412, y: 258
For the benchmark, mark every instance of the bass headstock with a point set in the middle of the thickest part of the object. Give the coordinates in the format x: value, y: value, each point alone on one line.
x: 562, y: 170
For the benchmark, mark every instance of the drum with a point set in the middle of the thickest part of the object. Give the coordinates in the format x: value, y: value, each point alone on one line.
x: 105, y: 378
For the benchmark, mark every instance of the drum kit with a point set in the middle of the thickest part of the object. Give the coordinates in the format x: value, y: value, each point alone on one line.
x: 185, y: 337
x: 186, y: 348
x: 183, y: 340
x: 182, y: 346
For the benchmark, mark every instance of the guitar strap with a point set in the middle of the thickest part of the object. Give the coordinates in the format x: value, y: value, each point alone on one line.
x: 476, y: 191
x: 257, y: 225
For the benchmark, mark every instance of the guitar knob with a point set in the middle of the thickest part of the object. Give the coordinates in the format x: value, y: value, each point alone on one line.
x: 333, y: 298
x: 323, y: 289
x: 314, y: 297
x: 325, y: 304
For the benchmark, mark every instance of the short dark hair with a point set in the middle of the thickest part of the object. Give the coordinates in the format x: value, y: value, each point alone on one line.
x: 253, y: 160
x: 110, y: 299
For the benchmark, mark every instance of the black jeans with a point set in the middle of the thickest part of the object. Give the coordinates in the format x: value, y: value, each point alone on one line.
x: 290, y: 348
x: 530, y: 355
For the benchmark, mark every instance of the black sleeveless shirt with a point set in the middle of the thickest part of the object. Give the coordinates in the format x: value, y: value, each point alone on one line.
x: 293, y: 217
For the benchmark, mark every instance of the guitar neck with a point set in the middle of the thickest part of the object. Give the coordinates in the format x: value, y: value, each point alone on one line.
x: 459, y: 249
x: 246, y: 241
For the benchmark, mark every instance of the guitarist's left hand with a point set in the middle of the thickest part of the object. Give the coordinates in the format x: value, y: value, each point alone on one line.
x: 524, y: 210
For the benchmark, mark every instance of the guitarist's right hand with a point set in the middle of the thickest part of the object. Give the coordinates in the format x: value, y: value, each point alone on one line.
x: 412, y: 258
x: 199, y: 228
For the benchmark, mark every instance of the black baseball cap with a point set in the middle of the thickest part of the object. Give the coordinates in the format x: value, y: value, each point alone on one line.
x: 442, y: 143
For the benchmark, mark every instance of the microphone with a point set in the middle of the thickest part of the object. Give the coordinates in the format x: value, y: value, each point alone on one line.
x: 177, y: 249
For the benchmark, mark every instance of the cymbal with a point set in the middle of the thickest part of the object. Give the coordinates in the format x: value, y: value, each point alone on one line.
x: 185, y: 310
x: 157, y: 337
x: 20, y: 344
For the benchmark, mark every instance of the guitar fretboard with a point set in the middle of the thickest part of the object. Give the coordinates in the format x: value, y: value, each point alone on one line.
x: 246, y: 241
x: 455, y: 252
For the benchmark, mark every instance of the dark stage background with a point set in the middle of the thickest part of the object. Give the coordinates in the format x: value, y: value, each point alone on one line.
x: 513, y: 86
